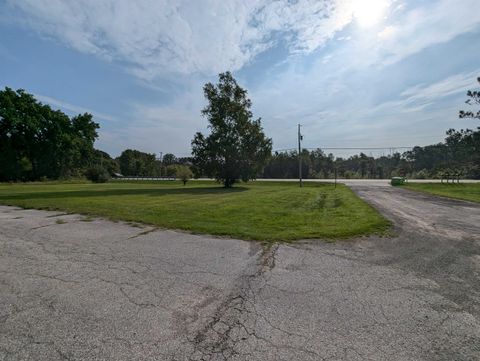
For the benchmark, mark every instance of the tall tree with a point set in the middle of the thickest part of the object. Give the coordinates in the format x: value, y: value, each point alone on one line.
x: 236, y: 147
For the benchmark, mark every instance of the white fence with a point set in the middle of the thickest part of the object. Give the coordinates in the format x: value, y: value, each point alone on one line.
x: 145, y: 178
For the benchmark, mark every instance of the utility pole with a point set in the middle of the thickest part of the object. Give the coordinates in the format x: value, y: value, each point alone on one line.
x: 300, y: 138
x: 335, y: 176
x: 161, y: 163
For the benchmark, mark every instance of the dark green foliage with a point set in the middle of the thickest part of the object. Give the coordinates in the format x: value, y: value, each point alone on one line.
x: 136, y: 163
x: 474, y: 99
x: 36, y: 141
x: 169, y: 159
x: 104, y: 160
x: 236, y: 147
x: 460, y: 153
x: 317, y: 164
x: 97, y: 174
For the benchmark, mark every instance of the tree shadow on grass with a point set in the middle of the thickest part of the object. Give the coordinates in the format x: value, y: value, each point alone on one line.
x: 152, y: 192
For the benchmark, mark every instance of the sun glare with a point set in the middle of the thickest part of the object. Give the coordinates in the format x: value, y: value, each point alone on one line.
x: 369, y: 12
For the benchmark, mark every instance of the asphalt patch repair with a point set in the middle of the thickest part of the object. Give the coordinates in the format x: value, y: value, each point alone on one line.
x: 97, y: 290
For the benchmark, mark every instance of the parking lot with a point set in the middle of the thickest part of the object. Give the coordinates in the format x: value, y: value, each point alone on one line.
x: 73, y: 288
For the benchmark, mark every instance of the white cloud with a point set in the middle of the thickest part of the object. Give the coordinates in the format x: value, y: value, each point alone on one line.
x: 164, y: 38
x: 154, y: 37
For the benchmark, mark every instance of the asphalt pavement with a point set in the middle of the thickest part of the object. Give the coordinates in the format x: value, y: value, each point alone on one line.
x: 73, y: 288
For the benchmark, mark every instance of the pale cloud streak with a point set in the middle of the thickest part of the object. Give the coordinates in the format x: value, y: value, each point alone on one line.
x: 454, y: 84
x: 73, y: 108
x: 427, y: 25
x: 159, y: 128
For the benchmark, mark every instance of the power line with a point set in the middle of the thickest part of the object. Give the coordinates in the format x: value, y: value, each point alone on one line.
x: 430, y: 136
x: 365, y: 148
x: 346, y: 148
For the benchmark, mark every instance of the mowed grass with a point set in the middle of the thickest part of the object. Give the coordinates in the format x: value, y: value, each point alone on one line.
x: 463, y: 191
x: 265, y: 211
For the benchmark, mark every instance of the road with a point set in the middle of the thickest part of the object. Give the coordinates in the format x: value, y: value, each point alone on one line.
x: 353, y: 182
x: 73, y: 288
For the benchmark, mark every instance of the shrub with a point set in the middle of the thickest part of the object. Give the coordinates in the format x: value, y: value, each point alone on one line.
x: 97, y: 174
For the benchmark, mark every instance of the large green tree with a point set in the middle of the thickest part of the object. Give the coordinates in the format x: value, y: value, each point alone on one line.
x: 236, y: 147
x: 37, y: 141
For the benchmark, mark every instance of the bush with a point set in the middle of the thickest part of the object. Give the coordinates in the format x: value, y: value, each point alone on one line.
x: 97, y: 174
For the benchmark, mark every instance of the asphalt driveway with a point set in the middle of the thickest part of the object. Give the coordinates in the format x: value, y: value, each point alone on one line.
x: 72, y: 288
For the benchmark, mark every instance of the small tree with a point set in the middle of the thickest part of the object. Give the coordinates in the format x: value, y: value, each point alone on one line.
x: 474, y: 99
x: 184, y: 173
x: 236, y: 148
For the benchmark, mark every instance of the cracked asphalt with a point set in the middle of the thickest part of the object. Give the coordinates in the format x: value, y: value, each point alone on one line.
x: 73, y: 288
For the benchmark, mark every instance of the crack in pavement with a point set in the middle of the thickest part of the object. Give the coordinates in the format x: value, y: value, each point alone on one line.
x: 236, y: 318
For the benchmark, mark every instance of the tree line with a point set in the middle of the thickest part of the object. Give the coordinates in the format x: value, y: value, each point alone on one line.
x: 139, y: 164
x: 458, y: 155
x: 38, y: 142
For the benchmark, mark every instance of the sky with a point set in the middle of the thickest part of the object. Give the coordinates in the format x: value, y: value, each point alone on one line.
x: 354, y: 73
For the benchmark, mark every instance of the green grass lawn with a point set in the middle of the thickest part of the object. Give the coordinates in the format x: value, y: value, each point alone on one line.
x: 265, y: 211
x: 464, y: 191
